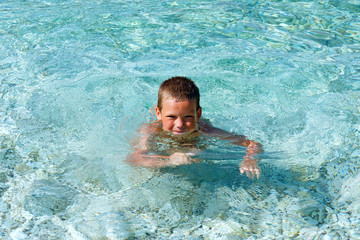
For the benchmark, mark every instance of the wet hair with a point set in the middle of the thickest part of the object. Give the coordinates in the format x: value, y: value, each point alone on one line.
x: 180, y: 89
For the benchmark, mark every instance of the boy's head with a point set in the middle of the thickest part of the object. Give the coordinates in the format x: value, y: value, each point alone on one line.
x: 178, y: 105
x: 179, y: 89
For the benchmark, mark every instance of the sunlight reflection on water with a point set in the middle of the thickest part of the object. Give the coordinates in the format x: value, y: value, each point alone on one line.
x: 78, y: 78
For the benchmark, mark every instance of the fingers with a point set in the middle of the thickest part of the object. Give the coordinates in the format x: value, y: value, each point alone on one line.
x: 179, y: 159
x: 190, y: 154
x: 258, y: 173
x: 250, y: 172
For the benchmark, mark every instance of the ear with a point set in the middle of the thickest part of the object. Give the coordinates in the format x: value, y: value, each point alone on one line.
x: 158, y: 113
x: 198, y: 114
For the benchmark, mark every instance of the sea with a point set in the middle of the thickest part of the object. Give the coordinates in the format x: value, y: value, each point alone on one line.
x: 79, y: 77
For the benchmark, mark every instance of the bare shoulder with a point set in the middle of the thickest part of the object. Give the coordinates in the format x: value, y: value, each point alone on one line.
x: 149, y: 128
x: 206, y: 127
x: 144, y: 133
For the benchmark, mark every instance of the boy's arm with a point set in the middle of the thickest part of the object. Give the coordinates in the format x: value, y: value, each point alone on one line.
x: 139, y: 157
x: 156, y: 161
x: 249, y: 165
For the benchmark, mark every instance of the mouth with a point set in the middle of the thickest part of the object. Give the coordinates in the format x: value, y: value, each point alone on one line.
x: 179, y: 132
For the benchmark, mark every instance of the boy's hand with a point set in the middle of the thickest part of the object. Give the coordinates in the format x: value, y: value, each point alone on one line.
x: 179, y: 159
x: 250, y: 167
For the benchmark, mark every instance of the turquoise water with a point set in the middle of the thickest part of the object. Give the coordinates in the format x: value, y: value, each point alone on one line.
x: 78, y: 78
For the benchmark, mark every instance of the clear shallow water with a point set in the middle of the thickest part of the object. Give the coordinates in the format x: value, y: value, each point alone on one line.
x: 78, y: 77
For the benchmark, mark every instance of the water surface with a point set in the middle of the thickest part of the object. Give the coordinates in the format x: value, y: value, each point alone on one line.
x: 78, y: 78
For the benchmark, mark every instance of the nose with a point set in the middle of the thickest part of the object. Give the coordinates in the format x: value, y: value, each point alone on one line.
x: 179, y: 123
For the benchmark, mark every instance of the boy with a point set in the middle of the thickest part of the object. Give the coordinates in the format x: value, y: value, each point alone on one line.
x: 178, y: 129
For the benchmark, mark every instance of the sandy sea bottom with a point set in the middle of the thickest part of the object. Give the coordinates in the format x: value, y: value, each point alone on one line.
x: 77, y: 78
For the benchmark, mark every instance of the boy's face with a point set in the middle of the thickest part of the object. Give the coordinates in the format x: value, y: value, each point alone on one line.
x: 178, y: 118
